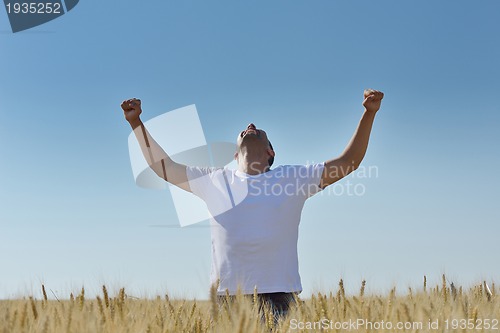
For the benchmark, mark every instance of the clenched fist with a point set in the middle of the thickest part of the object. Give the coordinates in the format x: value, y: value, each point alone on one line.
x: 131, y: 109
x: 372, y: 100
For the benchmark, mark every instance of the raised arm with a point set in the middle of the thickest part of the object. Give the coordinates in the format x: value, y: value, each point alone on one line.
x: 350, y: 159
x: 157, y: 158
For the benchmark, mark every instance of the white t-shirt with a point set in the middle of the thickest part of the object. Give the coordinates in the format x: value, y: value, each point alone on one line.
x: 254, y: 224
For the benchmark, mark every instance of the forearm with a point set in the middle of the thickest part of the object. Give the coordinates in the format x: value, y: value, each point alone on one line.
x: 356, y: 149
x: 155, y: 156
x: 354, y: 153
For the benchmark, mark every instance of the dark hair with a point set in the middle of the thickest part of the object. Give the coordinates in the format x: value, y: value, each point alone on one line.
x: 271, y: 159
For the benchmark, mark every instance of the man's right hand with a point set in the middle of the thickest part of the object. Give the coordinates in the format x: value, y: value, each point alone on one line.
x: 132, y: 109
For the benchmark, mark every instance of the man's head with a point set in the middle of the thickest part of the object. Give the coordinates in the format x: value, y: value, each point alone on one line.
x: 253, y: 142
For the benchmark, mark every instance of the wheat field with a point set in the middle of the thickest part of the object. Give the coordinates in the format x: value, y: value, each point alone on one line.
x: 441, y: 308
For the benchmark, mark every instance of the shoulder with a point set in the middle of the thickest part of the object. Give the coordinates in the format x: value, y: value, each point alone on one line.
x: 195, y: 172
x: 300, y: 168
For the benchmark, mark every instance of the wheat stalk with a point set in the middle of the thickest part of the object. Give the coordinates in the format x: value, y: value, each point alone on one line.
x: 362, y: 289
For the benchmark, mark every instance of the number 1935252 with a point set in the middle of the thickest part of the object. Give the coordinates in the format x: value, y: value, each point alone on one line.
x: 34, y: 8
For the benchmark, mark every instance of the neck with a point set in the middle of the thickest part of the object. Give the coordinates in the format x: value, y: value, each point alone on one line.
x: 252, y: 164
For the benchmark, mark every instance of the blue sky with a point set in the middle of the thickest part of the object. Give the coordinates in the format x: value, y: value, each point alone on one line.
x: 71, y: 215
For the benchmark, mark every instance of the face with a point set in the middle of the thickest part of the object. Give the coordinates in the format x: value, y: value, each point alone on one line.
x: 254, y: 138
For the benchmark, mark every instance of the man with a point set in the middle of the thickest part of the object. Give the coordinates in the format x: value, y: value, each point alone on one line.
x: 255, y: 210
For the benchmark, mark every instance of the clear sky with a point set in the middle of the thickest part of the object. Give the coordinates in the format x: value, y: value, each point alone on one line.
x: 71, y: 215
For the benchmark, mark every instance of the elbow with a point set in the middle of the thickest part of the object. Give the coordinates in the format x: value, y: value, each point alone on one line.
x: 160, y: 169
x: 356, y: 162
x: 352, y: 164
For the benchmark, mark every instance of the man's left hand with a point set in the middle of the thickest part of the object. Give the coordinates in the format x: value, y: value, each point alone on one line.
x: 372, y: 100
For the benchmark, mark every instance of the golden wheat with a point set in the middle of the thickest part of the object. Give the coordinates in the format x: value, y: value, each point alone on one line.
x: 446, y: 306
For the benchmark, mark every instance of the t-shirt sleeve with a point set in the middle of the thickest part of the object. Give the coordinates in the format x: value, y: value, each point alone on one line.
x: 200, y: 180
x: 311, y: 177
